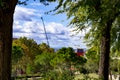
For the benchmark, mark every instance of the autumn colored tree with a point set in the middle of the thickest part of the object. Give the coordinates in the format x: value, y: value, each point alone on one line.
x: 31, y: 50
x: 45, y: 48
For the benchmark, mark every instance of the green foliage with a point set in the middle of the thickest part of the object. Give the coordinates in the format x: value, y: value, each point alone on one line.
x: 45, y: 48
x: 57, y: 60
x: 115, y: 38
x: 30, y: 49
x: 60, y: 65
x: 92, y: 60
x: 44, y: 61
x: 55, y: 75
x: 30, y: 69
x: 115, y: 47
x: 17, y: 53
x: 44, y: 58
x: 30, y: 43
x: 99, y: 16
x: 71, y: 56
x: 90, y: 76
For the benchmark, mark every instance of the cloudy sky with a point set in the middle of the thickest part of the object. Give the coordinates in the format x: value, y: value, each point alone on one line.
x: 28, y: 23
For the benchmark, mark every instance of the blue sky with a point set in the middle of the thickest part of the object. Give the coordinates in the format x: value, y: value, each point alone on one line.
x: 27, y: 22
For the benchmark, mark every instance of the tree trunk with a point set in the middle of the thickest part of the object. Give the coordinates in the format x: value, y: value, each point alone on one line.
x: 6, y: 22
x: 105, y: 52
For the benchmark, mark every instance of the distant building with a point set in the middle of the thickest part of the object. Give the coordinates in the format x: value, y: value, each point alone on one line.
x: 80, y: 52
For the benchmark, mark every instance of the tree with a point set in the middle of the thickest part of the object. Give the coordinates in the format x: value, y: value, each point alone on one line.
x: 72, y: 61
x: 17, y: 53
x: 92, y: 60
x: 7, y: 8
x: 45, y: 48
x: 43, y: 60
x: 102, y: 13
x: 31, y: 50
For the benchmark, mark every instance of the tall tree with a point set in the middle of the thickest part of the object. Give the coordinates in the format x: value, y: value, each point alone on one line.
x: 103, y: 13
x: 7, y: 8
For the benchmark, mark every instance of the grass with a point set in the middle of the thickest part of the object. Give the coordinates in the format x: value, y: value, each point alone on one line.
x: 90, y: 76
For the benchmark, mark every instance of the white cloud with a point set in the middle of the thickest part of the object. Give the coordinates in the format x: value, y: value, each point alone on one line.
x: 27, y: 24
x: 25, y: 14
x: 57, y: 28
x: 56, y: 32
